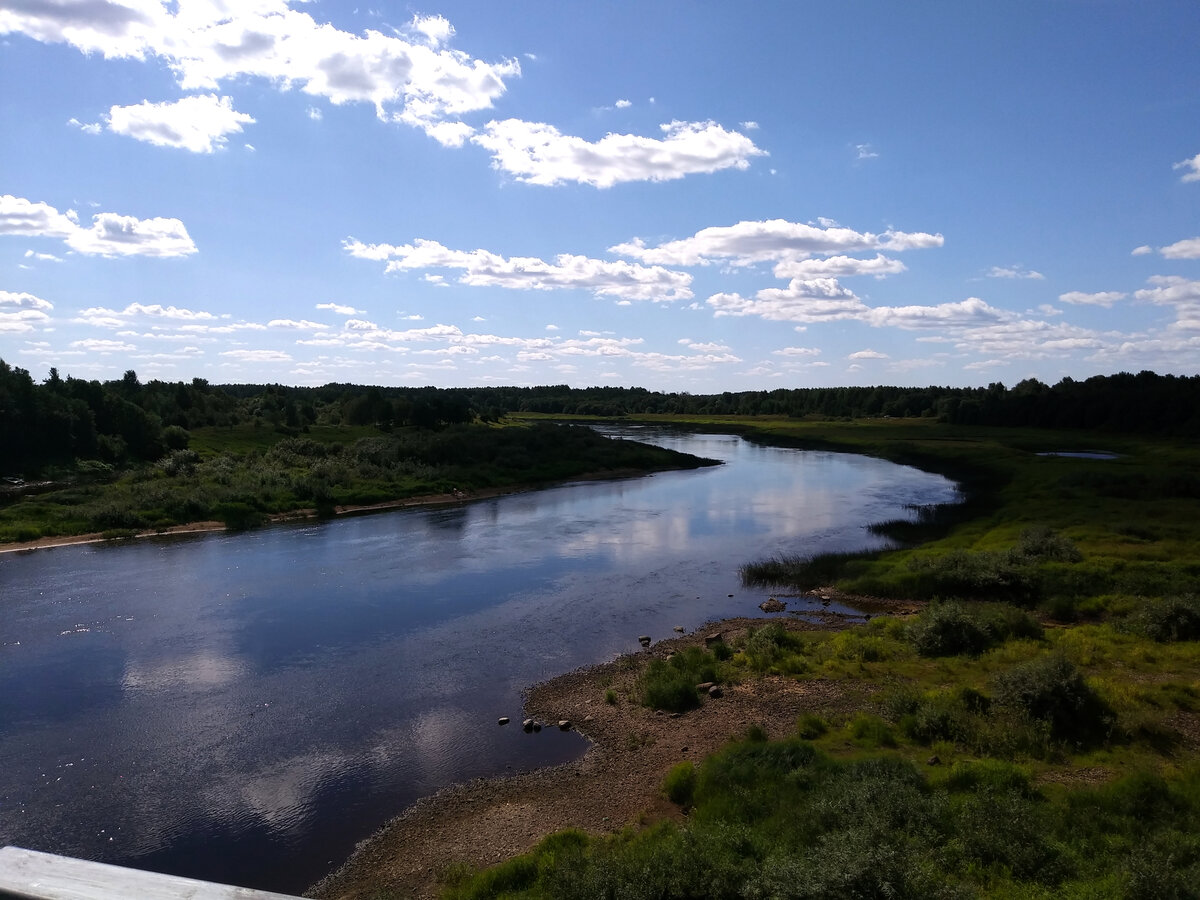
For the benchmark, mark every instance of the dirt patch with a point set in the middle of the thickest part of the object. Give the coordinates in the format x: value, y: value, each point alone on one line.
x: 616, y: 783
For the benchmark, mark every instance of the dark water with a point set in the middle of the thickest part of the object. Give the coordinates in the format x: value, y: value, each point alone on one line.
x: 245, y: 708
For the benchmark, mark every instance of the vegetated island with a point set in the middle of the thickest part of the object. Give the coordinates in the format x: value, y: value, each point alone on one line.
x: 147, y: 478
x: 1016, y: 714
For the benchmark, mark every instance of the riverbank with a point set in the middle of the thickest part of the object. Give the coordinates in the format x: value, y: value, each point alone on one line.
x: 617, y: 782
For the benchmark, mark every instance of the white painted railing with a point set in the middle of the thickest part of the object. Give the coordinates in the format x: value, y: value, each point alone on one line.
x: 30, y: 875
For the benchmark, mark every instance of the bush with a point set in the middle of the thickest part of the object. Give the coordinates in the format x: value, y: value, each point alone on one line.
x: 810, y: 727
x: 1169, y: 619
x: 945, y: 629
x: 1051, y: 689
x: 948, y: 628
x: 680, y: 784
x: 671, y: 684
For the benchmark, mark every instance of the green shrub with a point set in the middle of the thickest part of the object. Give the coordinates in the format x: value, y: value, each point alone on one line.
x: 871, y: 731
x: 680, y: 784
x: 950, y: 628
x: 946, y: 629
x: 1051, y: 689
x: 1169, y: 619
x: 670, y: 684
x: 810, y: 727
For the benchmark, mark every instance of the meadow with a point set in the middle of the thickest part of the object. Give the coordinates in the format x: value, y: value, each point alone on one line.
x: 1032, y: 732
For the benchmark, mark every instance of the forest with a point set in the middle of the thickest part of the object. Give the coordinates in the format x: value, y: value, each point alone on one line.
x: 60, y: 420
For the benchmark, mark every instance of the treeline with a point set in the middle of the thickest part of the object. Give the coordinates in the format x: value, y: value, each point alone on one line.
x: 61, y: 420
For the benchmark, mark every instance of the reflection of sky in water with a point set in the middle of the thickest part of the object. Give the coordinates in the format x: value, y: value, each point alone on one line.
x: 244, y: 708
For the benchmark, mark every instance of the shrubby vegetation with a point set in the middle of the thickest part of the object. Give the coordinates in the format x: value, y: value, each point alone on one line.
x: 847, y: 805
x: 64, y: 419
x: 243, y: 476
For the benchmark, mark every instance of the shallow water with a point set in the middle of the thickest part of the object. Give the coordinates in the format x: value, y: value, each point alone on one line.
x: 245, y: 708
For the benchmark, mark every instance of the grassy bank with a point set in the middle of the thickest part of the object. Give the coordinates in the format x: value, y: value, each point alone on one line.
x: 242, y: 475
x: 1033, y: 732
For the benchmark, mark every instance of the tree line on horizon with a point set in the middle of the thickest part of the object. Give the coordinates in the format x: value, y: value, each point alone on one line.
x: 123, y: 421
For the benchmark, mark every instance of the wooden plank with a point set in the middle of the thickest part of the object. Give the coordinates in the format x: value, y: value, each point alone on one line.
x: 30, y: 875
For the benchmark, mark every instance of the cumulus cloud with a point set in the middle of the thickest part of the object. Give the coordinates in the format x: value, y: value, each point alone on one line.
x: 963, y: 314
x: 411, y: 78
x: 199, y: 124
x: 537, y: 153
x: 797, y: 351
x: 620, y: 279
x: 624, y: 104
x: 814, y: 300
x: 773, y: 240
x: 1186, y: 249
x: 98, y: 345
x: 22, y: 300
x: 839, y: 267
x: 1191, y: 168
x: 864, y: 151
x: 340, y: 309
x: 1014, y: 272
x: 21, y: 313
x: 109, y: 235
x: 1143, y: 250
x: 1102, y: 298
x: 867, y: 354
x: 257, y: 355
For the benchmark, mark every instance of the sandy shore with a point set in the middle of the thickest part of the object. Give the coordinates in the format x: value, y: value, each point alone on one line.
x: 616, y: 783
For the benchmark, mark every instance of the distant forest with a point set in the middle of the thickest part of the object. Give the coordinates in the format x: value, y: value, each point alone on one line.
x: 61, y: 420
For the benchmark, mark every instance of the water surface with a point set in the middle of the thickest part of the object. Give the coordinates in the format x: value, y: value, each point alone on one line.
x: 245, y: 708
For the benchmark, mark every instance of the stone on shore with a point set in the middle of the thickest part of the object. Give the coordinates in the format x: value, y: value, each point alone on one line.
x: 772, y: 605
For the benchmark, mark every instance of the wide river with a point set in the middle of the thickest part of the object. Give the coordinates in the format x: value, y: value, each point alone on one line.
x: 244, y: 708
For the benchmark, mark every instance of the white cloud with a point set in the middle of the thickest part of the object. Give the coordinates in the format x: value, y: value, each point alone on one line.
x: 867, y: 354
x: 624, y: 104
x: 86, y: 127
x: 699, y: 346
x: 205, y: 43
x: 552, y: 327
x: 314, y: 113
x: 967, y: 313
x: 257, y: 355
x: 1143, y: 250
x: 434, y: 29
x: 1103, y: 298
x: 20, y: 312
x: 109, y: 235
x: 97, y: 345
x: 538, y: 153
x: 815, y: 300
x: 620, y: 279
x: 111, y: 318
x: 750, y: 125
x: 1186, y: 249
x: 839, y: 266
x: 24, y: 301
x: 21, y: 216
x: 340, y: 309
x: 300, y: 325
x: 42, y: 257
x: 199, y: 124
x: 864, y: 151
x: 774, y: 240
x: 1014, y: 272
x: 797, y: 351
x: 1191, y: 168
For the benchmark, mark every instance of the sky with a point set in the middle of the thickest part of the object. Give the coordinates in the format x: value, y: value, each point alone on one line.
x: 688, y: 196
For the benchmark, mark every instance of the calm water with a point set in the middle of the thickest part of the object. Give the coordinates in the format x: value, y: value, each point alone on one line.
x: 245, y: 708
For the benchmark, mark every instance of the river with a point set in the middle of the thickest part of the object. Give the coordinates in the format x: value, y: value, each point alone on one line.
x: 244, y: 708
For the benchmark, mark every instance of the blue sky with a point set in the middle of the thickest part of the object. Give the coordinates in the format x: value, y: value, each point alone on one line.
x: 692, y: 196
